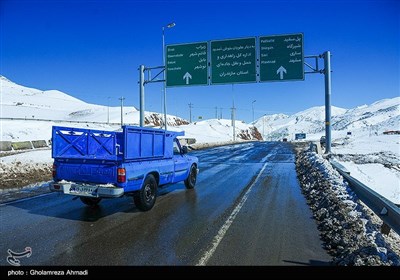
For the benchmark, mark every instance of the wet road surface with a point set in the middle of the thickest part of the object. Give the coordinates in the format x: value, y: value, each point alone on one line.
x: 246, y: 209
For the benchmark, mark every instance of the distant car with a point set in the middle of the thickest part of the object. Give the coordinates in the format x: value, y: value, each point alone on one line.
x: 322, y: 140
x: 284, y: 139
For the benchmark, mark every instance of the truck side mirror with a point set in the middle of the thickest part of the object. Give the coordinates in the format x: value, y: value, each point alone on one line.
x: 184, y: 150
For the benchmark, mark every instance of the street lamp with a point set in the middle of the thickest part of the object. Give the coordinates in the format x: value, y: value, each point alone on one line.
x: 252, y: 106
x: 170, y: 25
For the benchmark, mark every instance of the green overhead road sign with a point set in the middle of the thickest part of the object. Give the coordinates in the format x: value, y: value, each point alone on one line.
x: 281, y: 57
x: 186, y: 64
x: 233, y: 61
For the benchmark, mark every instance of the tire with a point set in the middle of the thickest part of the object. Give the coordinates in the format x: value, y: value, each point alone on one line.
x: 91, y: 201
x: 190, y: 181
x: 146, y: 197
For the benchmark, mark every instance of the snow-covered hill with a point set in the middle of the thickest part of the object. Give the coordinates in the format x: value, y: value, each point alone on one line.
x: 29, y: 103
x: 32, y: 104
x: 378, y: 117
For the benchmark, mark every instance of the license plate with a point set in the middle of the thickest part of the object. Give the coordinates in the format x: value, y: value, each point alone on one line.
x: 83, y: 190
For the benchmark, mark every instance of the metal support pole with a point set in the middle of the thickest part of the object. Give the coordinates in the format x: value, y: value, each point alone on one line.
x: 327, y: 72
x: 141, y: 94
x: 122, y: 109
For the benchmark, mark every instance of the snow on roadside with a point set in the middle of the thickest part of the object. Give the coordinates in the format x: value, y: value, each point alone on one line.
x: 373, y: 160
x: 383, y: 180
x: 31, y: 157
x: 22, y: 169
x: 362, y: 142
x: 346, y: 229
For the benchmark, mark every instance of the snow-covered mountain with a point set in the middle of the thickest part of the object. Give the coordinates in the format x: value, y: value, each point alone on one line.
x: 379, y: 116
x: 310, y: 121
x: 383, y: 114
x: 32, y: 105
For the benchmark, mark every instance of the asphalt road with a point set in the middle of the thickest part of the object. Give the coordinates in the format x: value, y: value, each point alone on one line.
x: 246, y: 209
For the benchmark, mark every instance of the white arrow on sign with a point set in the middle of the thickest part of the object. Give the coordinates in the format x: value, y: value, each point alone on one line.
x: 187, y: 76
x: 280, y: 71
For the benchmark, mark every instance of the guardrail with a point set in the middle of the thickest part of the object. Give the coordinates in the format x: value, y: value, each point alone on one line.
x: 62, y: 121
x: 386, y: 210
x: 14, y: 146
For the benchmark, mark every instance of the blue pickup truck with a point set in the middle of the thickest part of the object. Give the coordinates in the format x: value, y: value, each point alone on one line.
x: 94, y: 164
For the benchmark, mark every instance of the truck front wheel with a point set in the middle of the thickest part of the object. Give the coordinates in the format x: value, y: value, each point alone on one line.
x: 91, y: 201
x: 190, y: 181
x: 146, y: 197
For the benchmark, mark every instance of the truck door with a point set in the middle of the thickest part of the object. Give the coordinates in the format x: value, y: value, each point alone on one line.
x: 180, y: 163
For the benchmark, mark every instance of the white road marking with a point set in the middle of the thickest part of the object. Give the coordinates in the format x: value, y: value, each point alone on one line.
x: 221, y: 233
x: 25, y: 199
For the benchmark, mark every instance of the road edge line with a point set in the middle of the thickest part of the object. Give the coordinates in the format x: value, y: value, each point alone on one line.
x: 24, y: 199
x: 222, y: 231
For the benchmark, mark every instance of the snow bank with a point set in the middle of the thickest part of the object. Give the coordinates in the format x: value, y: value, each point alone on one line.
x: 346, y: 228
x: 383, y: 180
x: 26, y: 168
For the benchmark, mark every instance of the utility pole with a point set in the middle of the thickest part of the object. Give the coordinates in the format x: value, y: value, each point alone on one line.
x: 216, y: 112
x: 190, y: 112
x: 252, y: 107
x: 233, y: 114
x: 122, y: 109
x: 108, y: 110
x: 220, y: 113
x: 263, y: 127
x: 233, y: 121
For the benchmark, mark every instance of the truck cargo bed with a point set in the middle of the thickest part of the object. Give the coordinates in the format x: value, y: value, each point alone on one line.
x: 133, y: 143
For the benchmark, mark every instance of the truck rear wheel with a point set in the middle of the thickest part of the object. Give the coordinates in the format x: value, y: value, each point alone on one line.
x: 91, y: 201
x: 146, y: 197
x: 190, y: 181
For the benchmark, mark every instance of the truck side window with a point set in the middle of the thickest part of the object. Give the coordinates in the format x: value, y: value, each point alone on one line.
x: 177, y: 150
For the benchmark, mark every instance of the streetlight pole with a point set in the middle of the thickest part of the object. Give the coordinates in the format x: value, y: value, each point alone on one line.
x: 252, y: 107
x: 170, y: 25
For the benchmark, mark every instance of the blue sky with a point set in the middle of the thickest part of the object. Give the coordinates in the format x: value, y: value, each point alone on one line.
x: 92, y: 49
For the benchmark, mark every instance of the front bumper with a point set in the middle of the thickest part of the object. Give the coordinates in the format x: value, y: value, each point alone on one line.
x: 87, y: 190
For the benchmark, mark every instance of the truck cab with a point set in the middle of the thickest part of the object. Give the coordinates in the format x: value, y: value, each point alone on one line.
x: 94, y: 164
